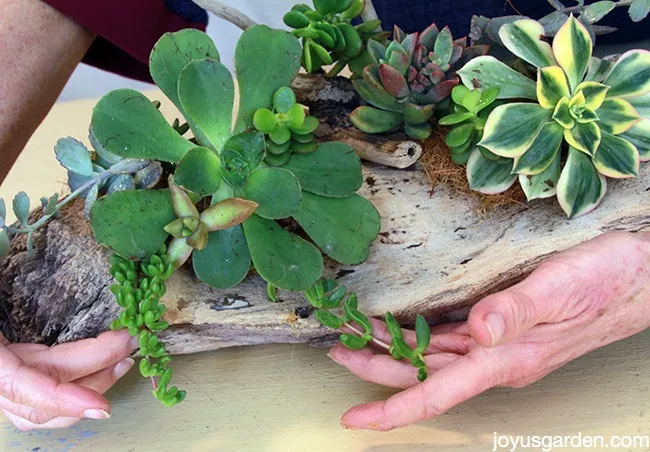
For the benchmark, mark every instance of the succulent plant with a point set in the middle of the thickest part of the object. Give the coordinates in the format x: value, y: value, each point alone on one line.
x: 223, y: 166
x: 471, y: 110
x: 408, y: 79
x: 286, y: 127
x: 329, y: 37
x: 589, y: 119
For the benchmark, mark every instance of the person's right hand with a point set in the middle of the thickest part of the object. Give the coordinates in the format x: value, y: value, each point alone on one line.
x: 55, y: 387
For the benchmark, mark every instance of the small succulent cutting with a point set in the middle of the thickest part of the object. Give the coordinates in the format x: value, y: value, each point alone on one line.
x: 471, y: 110
x: 589, y: 119
x: 287, y: 128
x: 408, y: 79
x: 328, y: 36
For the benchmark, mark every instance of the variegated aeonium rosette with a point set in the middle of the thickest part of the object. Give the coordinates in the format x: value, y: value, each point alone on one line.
x: 408, y: 79
x: 590, y: 119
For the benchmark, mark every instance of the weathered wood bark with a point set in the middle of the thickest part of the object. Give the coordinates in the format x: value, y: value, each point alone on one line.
x: 436, y: 255
x: 332, y: 101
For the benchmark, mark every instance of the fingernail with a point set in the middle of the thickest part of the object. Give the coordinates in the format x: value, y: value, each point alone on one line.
x: 335, y: 360
x: 347, y: 426
x: 134, y: 343
x: 97, y: 414
x: 496, y: 325
x: 123, y: 367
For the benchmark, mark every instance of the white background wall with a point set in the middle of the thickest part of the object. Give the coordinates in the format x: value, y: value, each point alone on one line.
x: 89, y: 82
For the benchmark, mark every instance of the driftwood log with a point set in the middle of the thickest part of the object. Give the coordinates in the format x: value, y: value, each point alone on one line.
x: 436, y: 255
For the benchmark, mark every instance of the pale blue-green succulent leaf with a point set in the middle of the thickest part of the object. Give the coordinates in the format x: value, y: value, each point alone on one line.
x: 512, y: 128
x: 207, y: 92
x: 489, y: 176
x: 616, y: 157
x: 630, y: 76
x: 74, y: 156
x: 280, y: 257
x: 225, y: 262
x: 641, y: 104
x: 21, y: 208
x: 572, y: 47
x: 639, y: 10
x: 523, y: 38
x: 5, y: 243
x: 343, y: 228
x: 580, y: 188
x: 596, y: 11
x: 598, y: 70
x: 542, y: 152
x: 544, y: 184
x: 487, y: 72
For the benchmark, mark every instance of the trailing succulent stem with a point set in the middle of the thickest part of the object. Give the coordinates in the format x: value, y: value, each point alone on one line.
x: 338, y: 309
x: 138, y: 292
x: 328, y: 36
x: 408, y: 79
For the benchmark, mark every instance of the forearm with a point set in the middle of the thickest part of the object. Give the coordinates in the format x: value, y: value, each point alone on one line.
x: 39, y: 49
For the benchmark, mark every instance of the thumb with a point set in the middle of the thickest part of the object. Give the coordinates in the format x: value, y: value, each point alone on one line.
x: 506, y: 315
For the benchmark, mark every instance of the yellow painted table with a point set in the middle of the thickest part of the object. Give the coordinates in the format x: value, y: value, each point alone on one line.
x: 289, y: 398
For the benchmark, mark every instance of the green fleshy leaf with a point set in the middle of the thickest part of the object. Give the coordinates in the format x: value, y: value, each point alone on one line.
x: 343, y: 228
x: 127, y: 124
x: 630, y: 76
x: 639, y: 136
x: 639, y: 10
x: 598, y: 70
x: 250, y: 145
x: 617, y: 116
x: 542, y: 152
x: 265, y: 121
x: 584, y: 137
x: 74, y: 156
x: 283, y: 99
x: 5, y: 243
x: 511, y: 129
x: 580, y: 188
x: 523, y: 38
x: 459, y: 135
x: 641, y: 104
x: 562, y: 115
x: 459, y: 93
x: 277, y: 160
x: 418, y: 114
x: 594, y: 93
x: 198, y: 172
x: 280, y: 135
x: 573, y: 48
x: 276, y: 190
x: 328, y: 319
x: 332, y: 170
x: 488, y: 97
x: 616, y: 157
x: 131, y: 223
x: 295, y: 117
x: 265, y: 61
x: 207, y: 92
x: 225, y: 262
x: 487, y: 72
x: 309, y: 126
x: 455, y: 118
x: 544, y: 184
x: 277, y: 149
x: 596, y: 12
x: 303, y: 148
x: 552, y: 86
x: 489, y: 176
x: 172, y: 53
x: 280, y: 257
x: 418, y: 132
x: 444, y: 46
x: 373, y: 120
x: 227, y: 213
x: 372, y: 90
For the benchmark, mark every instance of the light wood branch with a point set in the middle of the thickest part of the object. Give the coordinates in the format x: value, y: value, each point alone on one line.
x: 226, y: 12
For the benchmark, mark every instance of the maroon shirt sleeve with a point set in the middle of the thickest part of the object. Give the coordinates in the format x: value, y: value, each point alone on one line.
x: 126, y: 31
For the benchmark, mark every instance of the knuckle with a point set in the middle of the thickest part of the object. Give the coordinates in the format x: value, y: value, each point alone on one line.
x: 8, y: 388
x: 57, y: 372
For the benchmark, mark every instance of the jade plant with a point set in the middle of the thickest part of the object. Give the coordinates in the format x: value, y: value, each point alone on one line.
x: 583, y: 119
x: 287, y: 128
x: 471, y: 110
x: 328, y: 36
x: 408, y: 79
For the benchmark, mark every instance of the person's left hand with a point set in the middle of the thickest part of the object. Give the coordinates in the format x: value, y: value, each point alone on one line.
x: 577, y: 301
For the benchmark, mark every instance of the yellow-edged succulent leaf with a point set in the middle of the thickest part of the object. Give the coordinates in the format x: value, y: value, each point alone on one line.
x: 641, y: 104
x: 562, y: 116
x: 489, y: 176
x: 487, y: 72
x: 616, y: 157
x: 523, y: 39
x: 594, y: 93
x: 617, y: 116
x: 542, y: 152
x: 572, y: 48
x: 552, y: 86
x: 639, y: 136
x: 512, y: 128
x: 544, y: 184
x: 584, y: 137
x: 580, y: 187
x: 630, y: 76
x: 227, y: 213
